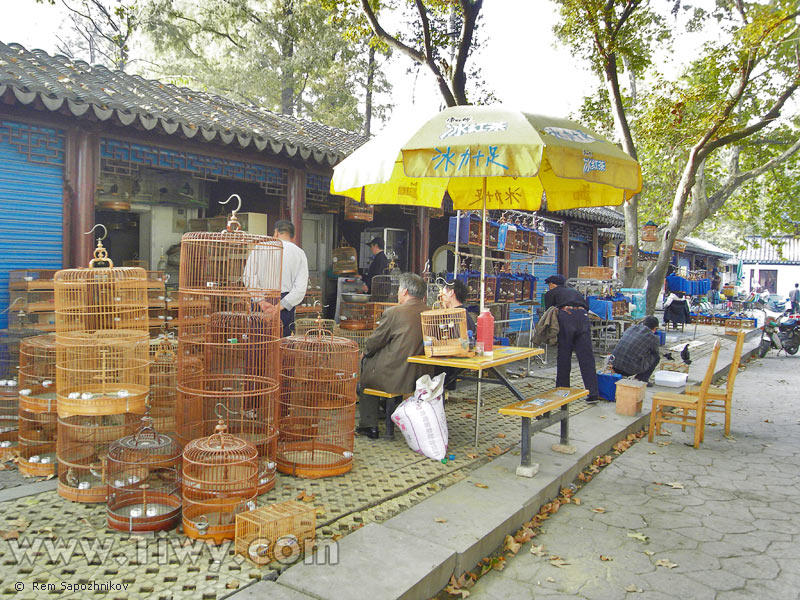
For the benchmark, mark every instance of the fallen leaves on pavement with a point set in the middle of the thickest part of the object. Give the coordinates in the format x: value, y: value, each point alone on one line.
x: 665, y: 562
x: 494, y: 451
x: 599, y: 509
x: 538, y: 550
x: 638, y: 536
x: 509, y: 545
x: 633, y: 588
x: 483, y: 486
x: 441, y: 520
x: 605, y: 558
x: 304, y: 497
x: 557, y: 561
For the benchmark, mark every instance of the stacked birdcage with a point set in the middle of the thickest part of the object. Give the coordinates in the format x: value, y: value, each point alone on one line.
x: 384, y: 287
x: 444, y: 332
x: 356, y: 316
x: 37, y: 405
x: 312, y: 300
x: 9, y: 387
x: 102, y: 368
x: 144, y: 481
x: 220, y: 479
x: 358, y: 336
x: 303, y: 326
x: 229, y: 340
x: 163, y: 382
x: 316, y: 423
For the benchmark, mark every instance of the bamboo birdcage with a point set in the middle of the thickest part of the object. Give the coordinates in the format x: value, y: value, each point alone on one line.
x: 220, y: 479
x: 356, y: 315
x: 102, y: 368
x: 649, y: 231
x: 37, y: 406
x: 316, y: 421
x: 359, y: 336
x: 345, y: 259
x: 144, y: 481
x: 10, y: 342
x: 378, y: 309
x: 384, y: 287
x: 163, y: 383
x: 283, y: 530
x: 82, y: 450
x: 303, y: 326
x: 444, y: 332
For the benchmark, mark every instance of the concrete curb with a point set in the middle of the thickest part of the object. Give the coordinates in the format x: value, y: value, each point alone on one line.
x: 413, y: 554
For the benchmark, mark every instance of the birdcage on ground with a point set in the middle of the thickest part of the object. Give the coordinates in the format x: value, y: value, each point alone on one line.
x: 220, y: 480
x: 10, y: 342
x: 144, y: 481
x: 82, y: 448
x: 316, y: 415
x: 249, y: 404
x: 102, y: 368
x: 444, y: 332
x: 282, y: 531
x: 36, y: 448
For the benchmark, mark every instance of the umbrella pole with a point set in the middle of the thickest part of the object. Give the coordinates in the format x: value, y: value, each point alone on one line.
x: 483, y: 251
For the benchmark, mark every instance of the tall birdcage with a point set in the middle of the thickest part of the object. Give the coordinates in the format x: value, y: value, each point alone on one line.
x: 304, y: 325
x: 229, y: 340
x: 9, y: 386
x: 163, y: 383
x: 220, y: 479
x: 144, y: 481
x: 102, y: 368
x: 37, y: 405
x: 316, y: 422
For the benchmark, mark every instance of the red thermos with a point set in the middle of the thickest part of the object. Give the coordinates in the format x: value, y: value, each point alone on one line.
x: 486, y: 330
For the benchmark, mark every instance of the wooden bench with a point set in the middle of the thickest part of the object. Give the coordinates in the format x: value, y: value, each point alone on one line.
x: 392, y: 401
x: 539, y: 408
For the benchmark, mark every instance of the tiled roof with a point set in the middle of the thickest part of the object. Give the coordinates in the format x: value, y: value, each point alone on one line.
x: 63, y: 84
x: 594, y: 214
x: 784, y: 250
x: 699, y: 246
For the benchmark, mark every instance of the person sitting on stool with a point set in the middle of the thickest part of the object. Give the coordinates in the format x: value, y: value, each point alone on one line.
x: 574, y: 333
x: 636, y: 353
x: 385, y: 365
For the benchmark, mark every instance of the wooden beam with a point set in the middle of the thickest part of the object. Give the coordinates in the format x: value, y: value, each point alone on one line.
x: 595, y: 247
x: 564, y: 267
x: 86, y: 169
x: 424, y: 237
x: 297, y: 200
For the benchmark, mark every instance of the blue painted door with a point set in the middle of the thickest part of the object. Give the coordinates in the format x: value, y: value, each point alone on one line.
x: 31, y: 201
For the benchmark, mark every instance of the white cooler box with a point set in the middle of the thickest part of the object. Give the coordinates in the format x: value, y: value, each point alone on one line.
x: 671, y: 378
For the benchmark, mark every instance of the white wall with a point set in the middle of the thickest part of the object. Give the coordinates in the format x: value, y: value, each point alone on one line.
x: 156, y: 231
x: 788, y: 275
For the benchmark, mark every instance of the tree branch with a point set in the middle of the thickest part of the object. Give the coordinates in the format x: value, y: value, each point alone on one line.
x: 387, y: 37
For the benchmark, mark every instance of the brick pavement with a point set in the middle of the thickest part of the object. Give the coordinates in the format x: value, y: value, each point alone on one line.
x: 728, y: 527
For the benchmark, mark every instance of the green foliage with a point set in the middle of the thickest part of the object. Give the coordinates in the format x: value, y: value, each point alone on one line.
x: 286, y: 55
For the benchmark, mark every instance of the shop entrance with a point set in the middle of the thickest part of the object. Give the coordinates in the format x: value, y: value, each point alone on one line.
x: 122, y: 242
x: 579, y: 256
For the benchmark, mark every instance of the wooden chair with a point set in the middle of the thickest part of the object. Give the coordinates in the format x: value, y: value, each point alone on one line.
x: 719, y: 399
x: 686, y: 403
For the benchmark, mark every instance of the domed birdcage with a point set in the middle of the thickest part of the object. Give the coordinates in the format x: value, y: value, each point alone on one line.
x: 359, y: 336
x: 220, y: 479
x: 37, y: 405
x: 144, y: 481
x: 36, y: 447
x: 102, y: 368
x: 316, y: 422
x: 303, y: 326
x: 249, y: 404
x: 10, y: 342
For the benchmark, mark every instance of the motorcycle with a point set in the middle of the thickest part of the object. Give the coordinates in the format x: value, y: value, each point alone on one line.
x: 779, y: 334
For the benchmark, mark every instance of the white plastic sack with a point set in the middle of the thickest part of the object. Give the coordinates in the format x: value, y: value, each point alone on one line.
x: 422, y: 420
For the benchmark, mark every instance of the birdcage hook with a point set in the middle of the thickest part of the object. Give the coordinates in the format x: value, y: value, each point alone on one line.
x: 100, y: 253
x: 105, y: 232
x: 233, y: 222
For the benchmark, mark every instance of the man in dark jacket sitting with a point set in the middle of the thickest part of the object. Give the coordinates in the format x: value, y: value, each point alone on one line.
x: 637, y: 352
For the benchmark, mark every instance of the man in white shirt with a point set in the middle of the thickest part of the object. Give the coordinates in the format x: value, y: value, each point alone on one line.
x: 294, y: 276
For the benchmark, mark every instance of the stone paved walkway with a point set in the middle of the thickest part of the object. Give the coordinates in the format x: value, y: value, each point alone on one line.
x: 721, y: 522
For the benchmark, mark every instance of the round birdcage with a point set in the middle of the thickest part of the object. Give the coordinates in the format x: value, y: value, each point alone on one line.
x: 163, y: 383
x: 10, y: 342
x: 303, y: 326
x: 82, y: 448
x: 249, y: 403
x: 101, y: 297
x: 102, y: 372
x: 144, y: 481
x: 37, y: 374
x: 384, y: 288
x: 316, y: 422
x: 359, y: 336
x: 36, y: 449
x: 444, y: 332
x: 356, y: 316
x: 220, y: 479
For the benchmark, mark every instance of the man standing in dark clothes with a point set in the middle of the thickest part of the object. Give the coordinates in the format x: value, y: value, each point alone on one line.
x: 573, y: 334
x: 379, y: 264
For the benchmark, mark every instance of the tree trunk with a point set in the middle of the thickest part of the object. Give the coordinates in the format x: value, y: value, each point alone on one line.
x: 287, y: 53
x: 370, y: 84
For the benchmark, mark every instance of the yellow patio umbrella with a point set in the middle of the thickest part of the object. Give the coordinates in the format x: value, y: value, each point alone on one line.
x: 489, y: 157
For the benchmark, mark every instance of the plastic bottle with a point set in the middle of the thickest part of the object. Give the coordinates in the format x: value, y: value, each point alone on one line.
x: 486, y: 330
x: 162, y: 262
